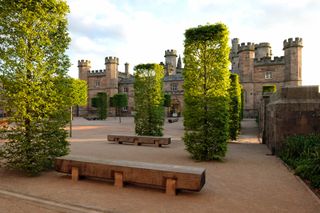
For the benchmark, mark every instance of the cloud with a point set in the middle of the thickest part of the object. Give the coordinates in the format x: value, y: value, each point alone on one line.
x: 139, y: 31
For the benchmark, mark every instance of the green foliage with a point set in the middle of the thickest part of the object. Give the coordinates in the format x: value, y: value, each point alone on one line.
x: 100, y: 101
x: 302, y: 153
x: 242, y: 104
x: 94, y: 102
x: 167, y: 100
x: 235, y: 106
x: 206, y: 95
x: 119, y: 101
x: 148, y: 98
x: 269, y: 88
x: 111, y: 104
x: 36, y: 94
x: 78, y: 92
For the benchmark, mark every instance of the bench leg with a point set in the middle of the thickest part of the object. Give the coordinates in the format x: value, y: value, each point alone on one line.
x: 136, y: 142
x: 171, y: 185
x: 75, y: 174
x: 157, y: 144
x: 118, y: 179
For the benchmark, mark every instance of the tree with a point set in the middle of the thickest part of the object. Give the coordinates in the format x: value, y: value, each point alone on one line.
x: 206, y: 97
x: 33, y: 66
x: 119, y: 101
x: 235, y: 106
x: 100, y: 101
x: 148, y: 99
x: 167, y: 100
x: 78, y: 92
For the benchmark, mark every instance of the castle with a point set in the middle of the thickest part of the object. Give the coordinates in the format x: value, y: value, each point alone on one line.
x: 256, y: 69
x: 252, y: 62
x: 112, y: 81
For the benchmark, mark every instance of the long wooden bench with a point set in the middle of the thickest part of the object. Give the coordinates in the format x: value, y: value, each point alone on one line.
x: 169, y: 177
x: 138, y: 140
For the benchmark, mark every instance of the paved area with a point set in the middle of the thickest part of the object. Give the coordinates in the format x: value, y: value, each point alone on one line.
x: 247, y: 180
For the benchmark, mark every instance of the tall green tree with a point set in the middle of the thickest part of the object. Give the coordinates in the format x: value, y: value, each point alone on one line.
x: 77, y: 89
x: 148, y: 99
x: 119, y: 101
x: 100, y: 101
x: 235, y: 106
x: 206, y: 96
x: 167, y: 101
x: 33, y: 66
x: 78, y: 92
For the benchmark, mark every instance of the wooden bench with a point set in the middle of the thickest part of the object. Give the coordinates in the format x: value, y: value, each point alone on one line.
x: 169, y: 177
x: 138, y: 140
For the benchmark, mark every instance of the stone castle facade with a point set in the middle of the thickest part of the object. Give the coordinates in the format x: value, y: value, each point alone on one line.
x: 252, y: 62
x: 256, y: 68
x: 112, y: 81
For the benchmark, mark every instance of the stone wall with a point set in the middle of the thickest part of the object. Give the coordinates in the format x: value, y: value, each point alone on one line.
x: 290, y: 111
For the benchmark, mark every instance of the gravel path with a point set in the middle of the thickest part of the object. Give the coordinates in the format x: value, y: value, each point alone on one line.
x: 247, y: 180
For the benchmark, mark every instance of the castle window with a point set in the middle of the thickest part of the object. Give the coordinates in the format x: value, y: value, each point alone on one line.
x: 174, y: 87
x: 97, y: 83
x: 126, y: 89
x: 268, y: 75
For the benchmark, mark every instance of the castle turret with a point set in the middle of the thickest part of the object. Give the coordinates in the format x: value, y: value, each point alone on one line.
x: 246, y: 71
x: 112, y: 75
x: 84, y: 68
x: 234, y: 57
x: 171, y: 61
x: 179, y: 64
x: 246, y: 54
x: 263, y: 50
x: 126, y: 69
x: 293, y: 61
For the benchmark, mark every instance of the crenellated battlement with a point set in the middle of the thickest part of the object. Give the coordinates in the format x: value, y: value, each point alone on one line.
x: 84, y: 63
x: 170, y: 53
x: 269, y: 61
x: 262, y: 45
x: 246, y: 47
x: 96, y: 72
x: 297, y: 42
x: 111, y: 60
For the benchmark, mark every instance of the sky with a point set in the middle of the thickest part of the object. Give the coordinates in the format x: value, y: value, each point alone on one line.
x: 139, y: 31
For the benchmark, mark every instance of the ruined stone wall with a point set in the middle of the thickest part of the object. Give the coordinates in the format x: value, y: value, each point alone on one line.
x: 291, y: 111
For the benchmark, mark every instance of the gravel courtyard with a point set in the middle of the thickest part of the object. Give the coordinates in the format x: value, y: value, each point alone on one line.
x: 248, y: 180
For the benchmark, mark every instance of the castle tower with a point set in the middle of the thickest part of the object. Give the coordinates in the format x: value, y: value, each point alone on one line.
x: 263, y: 50
x: 179, y: 64
x: 246, y: 54
x: 112, y: 75
x: 234, y: 57
x: 171, y: 61
x: 126, y: 69
x: 293, y: 61
x: 84, y: 67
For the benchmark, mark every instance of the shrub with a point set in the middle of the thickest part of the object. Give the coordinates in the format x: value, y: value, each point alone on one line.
x: 302, y: 153
x: 235, y: 106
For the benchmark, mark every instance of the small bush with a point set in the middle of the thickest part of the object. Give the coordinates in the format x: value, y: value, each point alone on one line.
x: 302, y: 153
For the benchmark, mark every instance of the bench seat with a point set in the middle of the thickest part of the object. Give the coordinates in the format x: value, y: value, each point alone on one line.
x: 169, y: 177
x: 138, y: 140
